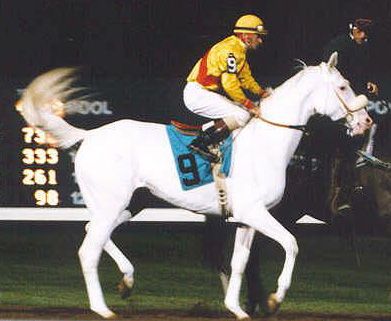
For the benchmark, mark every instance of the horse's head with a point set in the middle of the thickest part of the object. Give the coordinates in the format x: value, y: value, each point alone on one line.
x: 334, y: 97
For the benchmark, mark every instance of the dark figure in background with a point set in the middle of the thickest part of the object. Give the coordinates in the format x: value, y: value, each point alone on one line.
x: 329, y: 142
x: 354, y: 63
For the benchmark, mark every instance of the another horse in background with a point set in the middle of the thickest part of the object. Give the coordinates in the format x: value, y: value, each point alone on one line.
x: 116, y: 159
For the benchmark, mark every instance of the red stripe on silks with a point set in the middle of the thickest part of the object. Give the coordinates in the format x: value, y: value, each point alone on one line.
x: 184, y: 126
x: 248, y: 104
x: 203, y: 78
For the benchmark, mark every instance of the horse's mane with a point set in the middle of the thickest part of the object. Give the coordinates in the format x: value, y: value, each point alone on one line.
x: 301, y: 64
x: 299, y: 68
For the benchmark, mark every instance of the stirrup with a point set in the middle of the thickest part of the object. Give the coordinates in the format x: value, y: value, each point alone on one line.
x: 205, y: 153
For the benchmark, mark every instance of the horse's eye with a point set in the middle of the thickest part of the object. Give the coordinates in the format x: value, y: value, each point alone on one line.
x: 342, y: 88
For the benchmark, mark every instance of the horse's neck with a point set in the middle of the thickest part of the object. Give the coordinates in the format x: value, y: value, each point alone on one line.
x: 290, y: 102
x: 290, y: 105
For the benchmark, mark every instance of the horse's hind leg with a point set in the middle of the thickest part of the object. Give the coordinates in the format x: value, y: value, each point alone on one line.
x: 98, y: 234
x: 106, y: 195
x: 124, y: 265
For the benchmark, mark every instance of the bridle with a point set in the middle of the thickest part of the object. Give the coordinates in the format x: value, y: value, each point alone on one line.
x: 349, y: 110
x: 303, y: 128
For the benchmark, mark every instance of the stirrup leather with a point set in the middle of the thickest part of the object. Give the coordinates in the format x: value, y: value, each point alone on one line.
x: 206, y: 151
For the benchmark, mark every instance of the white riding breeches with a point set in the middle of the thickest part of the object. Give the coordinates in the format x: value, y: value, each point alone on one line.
x: 213, y: 105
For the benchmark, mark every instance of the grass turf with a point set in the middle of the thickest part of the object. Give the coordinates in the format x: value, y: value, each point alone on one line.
x: 39, y: 268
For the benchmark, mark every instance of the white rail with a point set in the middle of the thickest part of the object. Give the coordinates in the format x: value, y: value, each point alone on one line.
x: 81, y: 214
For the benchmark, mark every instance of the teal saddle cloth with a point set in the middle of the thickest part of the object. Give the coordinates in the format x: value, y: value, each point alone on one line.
x: 192, y: 168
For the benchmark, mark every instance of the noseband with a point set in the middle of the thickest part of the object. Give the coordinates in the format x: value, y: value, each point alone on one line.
x: 349, y: 110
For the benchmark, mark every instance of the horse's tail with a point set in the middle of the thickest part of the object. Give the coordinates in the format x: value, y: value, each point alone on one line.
x: 44, y: 103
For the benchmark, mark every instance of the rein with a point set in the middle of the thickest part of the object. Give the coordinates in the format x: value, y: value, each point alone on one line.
x: 302, y: 128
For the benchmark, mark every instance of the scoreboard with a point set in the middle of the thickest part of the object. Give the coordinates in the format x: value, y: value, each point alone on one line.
x: 39, y: 167
x: 37, y: 180
x: 34, y: 172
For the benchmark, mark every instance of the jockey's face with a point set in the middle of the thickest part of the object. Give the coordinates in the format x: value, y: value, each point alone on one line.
x: 359, y: 36
x: 251, y: 40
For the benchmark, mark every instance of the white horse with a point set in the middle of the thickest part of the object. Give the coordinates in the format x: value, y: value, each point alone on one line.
x: 116, y: 159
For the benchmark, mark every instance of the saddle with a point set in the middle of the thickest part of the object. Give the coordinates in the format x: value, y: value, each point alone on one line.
x: 186, y: 129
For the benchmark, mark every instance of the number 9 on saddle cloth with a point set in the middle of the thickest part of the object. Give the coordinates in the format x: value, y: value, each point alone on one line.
x: 193, y: 169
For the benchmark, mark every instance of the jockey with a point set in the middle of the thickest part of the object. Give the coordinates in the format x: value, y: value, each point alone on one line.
x: 224, y: 70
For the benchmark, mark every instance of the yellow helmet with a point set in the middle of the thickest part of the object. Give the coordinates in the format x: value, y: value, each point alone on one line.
x: 250, y: 23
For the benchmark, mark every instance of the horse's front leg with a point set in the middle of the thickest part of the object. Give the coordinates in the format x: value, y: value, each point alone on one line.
x: 261, y: 220
x: 243, y: 239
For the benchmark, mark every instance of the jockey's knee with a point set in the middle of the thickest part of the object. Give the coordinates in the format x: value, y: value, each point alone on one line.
x: 237, y: 120
x: 231, y: 123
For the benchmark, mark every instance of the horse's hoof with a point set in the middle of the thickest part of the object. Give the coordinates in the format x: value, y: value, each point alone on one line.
x: 272, y: 304
x: 112, y: 316
x: 125, y: 286
x: 106, y: 314
x: 239, y: 313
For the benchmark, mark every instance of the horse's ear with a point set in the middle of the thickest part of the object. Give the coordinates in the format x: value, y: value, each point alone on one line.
x: 333, y: 60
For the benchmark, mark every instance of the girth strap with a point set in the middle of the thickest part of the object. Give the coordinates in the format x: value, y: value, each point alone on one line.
x: 219, y: 178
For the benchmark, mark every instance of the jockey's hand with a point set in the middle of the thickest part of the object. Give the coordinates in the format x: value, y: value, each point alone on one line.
x: 265, y: 93
x: 372, y: 88
x: 252, y: 108
x: 255, y: 112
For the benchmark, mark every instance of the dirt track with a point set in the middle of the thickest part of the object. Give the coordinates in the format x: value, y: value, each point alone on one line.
x: 20, y: 313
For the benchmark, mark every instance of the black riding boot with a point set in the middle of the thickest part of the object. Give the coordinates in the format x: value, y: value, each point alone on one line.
x: 211, y: 136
